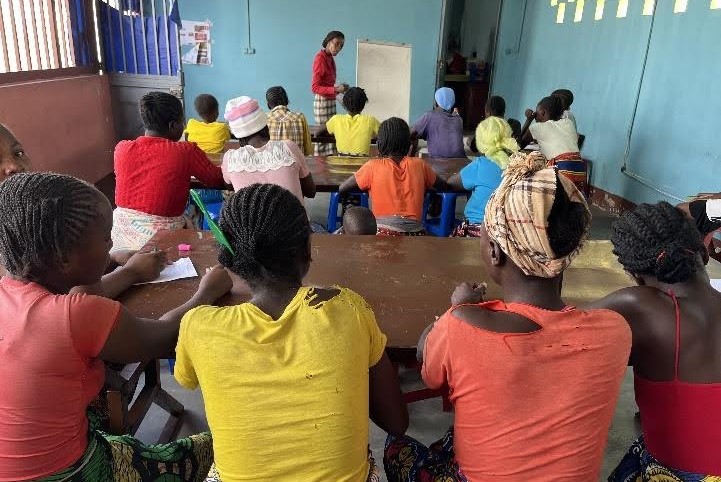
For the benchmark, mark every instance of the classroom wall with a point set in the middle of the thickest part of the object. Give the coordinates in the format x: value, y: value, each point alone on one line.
x: 287, y: 34
x: 65, y: 124
x: 672, y: 144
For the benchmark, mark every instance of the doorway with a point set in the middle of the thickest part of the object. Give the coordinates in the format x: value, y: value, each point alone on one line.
x: 468, y: 44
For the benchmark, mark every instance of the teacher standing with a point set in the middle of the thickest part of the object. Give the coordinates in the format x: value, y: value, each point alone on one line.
x: 324, y: 85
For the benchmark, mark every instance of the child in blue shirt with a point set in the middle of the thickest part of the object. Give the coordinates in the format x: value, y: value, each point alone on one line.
x: 482, y: 176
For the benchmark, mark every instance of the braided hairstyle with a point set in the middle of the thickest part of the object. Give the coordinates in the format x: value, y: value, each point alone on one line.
x: 276, y: 96
x: 42, y: 216
x: 207, y: 107
x: 658, y: 240
x: 568, y: 222
x: 496, y: 106
x: 394, y: 138
x: 267, y: 227
x: 354, y: 100
x: 331, y: 35
x: 553, y: 106
x: 158, y: 110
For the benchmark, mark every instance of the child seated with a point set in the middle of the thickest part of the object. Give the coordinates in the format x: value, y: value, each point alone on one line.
x: 284, y: 124
x: 358, y: 220
x: 209, y: 135
x: 442, y: 127
x: 353, y: 131
x: 55, y: 235
x: 534, y: 381
x: 557, y: 139
x: 260, y: 160
x: 566, y: 98
x: 153, y: 173
x: 396, y: 183
x: 516, y: 127
x: 495, y: 107
x: 286, y: 386
x: 483, y: 175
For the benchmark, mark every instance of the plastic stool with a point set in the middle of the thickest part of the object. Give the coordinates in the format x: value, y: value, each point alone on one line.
x: 442, y: 226
x: 171, y: 365
x: 333, y: 218
x: 214, y: 211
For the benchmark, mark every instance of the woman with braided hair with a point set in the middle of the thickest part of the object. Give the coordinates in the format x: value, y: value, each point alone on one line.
x: 675, y: 317
x: 396, y: 183
x: 533, y: 380
x: 153, y: 174
x: 324, y: 86
x: 289, y: 378
x: 54, y: 235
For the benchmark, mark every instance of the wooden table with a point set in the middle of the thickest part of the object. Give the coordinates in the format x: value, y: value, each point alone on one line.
x: 407, y: 280
x: 328, y: 176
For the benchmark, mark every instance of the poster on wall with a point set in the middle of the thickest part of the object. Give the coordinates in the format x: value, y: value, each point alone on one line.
x: 195, y: 42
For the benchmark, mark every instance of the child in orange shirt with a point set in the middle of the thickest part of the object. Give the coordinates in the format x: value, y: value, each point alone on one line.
x: 396, y: 183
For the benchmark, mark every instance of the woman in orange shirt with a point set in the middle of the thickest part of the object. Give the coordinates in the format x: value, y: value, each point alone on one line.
x: 534, y: 381
x: 396, y: 183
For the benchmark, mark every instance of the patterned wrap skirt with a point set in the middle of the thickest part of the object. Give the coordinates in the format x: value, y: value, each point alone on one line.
x: 573, y: 167
x: 133, y: 229
x: 639, y: 466
x: 323, y: 110
x: 407, y: 460
x: 111, y: 458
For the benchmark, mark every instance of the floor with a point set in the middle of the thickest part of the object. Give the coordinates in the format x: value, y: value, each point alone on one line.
x: 427, y: 420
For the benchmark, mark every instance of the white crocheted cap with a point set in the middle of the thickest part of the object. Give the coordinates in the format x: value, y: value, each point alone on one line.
x: 244, y: 116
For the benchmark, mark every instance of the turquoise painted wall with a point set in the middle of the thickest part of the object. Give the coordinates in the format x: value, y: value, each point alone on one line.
x: 287, y: 34
x: 673, y: 145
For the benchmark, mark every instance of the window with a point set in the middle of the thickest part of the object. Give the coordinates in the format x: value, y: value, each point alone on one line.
x: 42, y: 35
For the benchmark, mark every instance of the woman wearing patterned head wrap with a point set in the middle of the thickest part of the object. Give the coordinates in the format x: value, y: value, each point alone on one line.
x: 494, y: 139
x: 534, y: 382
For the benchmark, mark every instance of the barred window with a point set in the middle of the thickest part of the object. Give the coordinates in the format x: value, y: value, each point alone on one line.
x: 43, y: 35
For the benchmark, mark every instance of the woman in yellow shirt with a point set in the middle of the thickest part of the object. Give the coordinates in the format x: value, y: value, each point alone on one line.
x: 289, y: 378
x: 208, y: 134
x: 353, y: 131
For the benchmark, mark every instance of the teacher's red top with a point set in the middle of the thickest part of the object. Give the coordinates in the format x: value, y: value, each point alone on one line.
x: 323, y: 82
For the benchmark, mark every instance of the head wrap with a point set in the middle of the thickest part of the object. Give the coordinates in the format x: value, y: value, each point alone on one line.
x: 244, y: 116
x: 494, y: 138
x: 516, y: 215
x: 445, y: 98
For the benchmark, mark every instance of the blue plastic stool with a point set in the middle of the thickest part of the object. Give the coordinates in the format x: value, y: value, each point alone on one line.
x: 442, y: 226
x: 214, y: 211
x: 171, y: 365
x: 333, y: 217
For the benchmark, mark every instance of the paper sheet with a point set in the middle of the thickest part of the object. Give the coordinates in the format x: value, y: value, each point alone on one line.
x: 183, y: 268
x: 716, y: 284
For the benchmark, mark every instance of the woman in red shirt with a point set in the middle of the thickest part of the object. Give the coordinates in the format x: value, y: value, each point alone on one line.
x: 323, y: 84
x: 153, y: 172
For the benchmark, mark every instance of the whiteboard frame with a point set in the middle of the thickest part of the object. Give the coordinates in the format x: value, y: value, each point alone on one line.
x: 389, y: 44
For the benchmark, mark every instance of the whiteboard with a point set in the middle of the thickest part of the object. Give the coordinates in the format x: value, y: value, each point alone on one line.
x: 383, y: 69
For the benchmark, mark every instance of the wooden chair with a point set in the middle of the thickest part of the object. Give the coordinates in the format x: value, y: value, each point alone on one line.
x: 127, y: 411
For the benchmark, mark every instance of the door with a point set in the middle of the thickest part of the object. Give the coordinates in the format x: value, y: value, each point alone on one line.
x: 140, y: 51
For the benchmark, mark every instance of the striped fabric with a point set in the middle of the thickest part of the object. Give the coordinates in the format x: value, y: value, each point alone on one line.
x: 573, y: 167
x: 323, y: 110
